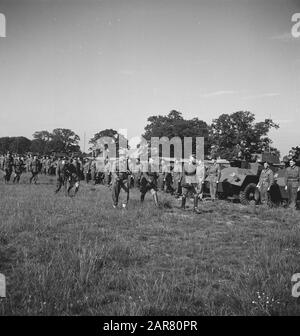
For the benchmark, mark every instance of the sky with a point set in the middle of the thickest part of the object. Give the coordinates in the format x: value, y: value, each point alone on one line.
x: 88, y: 65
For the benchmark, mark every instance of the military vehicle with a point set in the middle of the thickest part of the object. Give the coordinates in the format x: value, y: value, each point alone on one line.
x: 239, y: 178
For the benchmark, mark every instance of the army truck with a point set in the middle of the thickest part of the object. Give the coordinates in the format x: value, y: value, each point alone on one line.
x: 239, y: 178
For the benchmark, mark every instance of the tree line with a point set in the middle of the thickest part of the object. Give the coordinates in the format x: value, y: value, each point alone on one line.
x: 227, y: 136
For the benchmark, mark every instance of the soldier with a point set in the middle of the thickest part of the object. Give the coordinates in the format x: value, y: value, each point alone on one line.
x: 292, y: 183
x: 120, y: 180
x: 214, y: 174
x: 8, y: 167
x: 177, y: 172
x: 34, y: 169
x: 266, y: 180
x: 149, y: 182
x: 189, y: 183
x: 18, y: 169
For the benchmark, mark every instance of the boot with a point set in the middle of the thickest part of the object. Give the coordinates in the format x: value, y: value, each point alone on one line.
x: 142, y: 198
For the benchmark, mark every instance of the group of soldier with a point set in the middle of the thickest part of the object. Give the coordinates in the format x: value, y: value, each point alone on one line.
x: 291, y: 181
x: 123, y: 173
x: 179, y: 179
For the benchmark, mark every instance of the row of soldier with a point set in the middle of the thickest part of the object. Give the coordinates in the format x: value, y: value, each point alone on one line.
x: 124, y: 173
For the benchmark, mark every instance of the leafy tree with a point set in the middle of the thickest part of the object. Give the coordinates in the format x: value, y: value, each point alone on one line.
x: 60, y: 140
x: 237, y: 134
x: 100, y: 146
x: 174, y: 125
x: 19, y: 145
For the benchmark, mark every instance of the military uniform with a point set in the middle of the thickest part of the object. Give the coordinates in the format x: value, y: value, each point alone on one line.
x: 266, y: 179
x: 120, y: 180
x: 292, y: 181
x: 214, y: 174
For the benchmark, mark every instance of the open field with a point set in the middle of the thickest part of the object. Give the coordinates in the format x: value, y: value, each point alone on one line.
x: 79, y: 256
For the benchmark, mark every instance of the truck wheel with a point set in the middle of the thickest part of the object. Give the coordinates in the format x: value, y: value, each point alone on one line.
x: 250, y: 194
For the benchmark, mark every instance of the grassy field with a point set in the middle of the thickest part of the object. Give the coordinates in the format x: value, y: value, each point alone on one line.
x: 79, y: 256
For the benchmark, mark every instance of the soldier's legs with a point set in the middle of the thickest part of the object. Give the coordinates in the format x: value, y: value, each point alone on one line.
x: 213, y: 189
x: 125, y: 185
x: 59, y: 184
x: 264, y: 194
x: 115, y: 192
x: 155, y: 197
x: 292, y: 194
x: 185, y: 191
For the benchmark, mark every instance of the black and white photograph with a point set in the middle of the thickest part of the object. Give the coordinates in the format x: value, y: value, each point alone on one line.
x: 149, y: 160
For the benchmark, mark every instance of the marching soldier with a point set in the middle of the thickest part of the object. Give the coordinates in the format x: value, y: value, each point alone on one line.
x: 189, y: 183
x: 120, y: 180
x: 34, y: 169
x: 266, y: 180
x: 214, y: 174
x: 292, y: 183
x: 149, y: 182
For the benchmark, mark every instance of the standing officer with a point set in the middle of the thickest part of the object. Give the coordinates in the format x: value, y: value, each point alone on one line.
x: 137, y: 170
x: 214, y: 174
x: 266, y: 180
x: 120, y: 180
x: 189, y: 183
x: 292, y: 183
